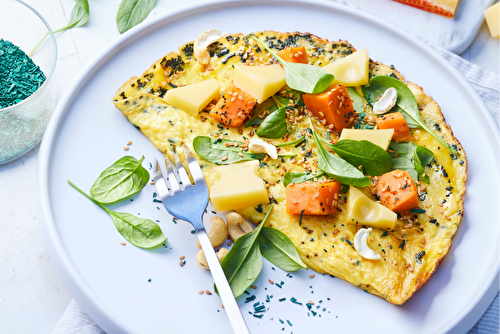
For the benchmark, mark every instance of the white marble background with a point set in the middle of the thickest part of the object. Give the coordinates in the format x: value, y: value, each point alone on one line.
x: 32, y: 296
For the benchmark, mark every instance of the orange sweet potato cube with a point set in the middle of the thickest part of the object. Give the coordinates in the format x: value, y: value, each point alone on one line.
x: 294, y: 55
x: 397, y: 122
x: 397, y: 191
x: 233, y: 107
x: 333, y: 107
x: 312, y: 198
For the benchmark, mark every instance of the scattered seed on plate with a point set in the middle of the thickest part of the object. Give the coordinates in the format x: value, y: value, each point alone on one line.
x: 208, y: 292
x: 201, y: 292
x: 181, y: 263
x: 125, y: 148
x: 123, y: 243
x: 312, y: 276
x: 129, y: 142
x: 182, y: 257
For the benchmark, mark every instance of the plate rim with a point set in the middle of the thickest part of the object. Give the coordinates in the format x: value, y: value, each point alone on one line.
x: 79, y: 289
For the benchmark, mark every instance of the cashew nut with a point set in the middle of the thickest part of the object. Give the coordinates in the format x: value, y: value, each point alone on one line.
x: 386, y: 102
x: 202, y: 42
x: 217, y: 233
x: 361, y: 246
x: 257, y: 145
x: 237, y: 225
x: 202, y: 260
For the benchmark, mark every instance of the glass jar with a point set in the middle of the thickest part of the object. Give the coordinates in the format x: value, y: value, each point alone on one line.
x: 22, y: 125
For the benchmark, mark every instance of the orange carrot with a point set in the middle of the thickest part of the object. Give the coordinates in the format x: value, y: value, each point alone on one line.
x: 233, y: 107
x: 397, y: 191
x: 312, y: 198
x: 333, y: 107
x: 397, y: 122
x: 294, y: 55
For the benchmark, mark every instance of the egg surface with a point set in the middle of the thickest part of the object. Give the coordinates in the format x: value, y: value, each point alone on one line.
x: 410, y: 253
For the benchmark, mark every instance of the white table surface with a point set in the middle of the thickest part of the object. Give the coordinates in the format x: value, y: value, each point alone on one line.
x: 32, y: 296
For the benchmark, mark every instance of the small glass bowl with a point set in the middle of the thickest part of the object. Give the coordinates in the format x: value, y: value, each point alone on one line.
x: 22, y: 125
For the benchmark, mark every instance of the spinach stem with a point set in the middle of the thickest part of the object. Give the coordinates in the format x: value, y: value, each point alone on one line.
x: 296, y: 141
x: 89, y: 197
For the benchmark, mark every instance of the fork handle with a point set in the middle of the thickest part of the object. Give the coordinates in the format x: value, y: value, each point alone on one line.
x: 226, y: 295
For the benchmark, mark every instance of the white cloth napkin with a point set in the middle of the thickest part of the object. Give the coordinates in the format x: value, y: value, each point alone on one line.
x: 75, y: 321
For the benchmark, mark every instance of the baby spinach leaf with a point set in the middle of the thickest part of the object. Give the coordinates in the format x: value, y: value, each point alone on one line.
x: 132, y: 12
x: 300, y: 177
x: 357, y: 101
x: 374, y: 159
x: 268, y: 105
x: 274, y: 125
x: 406, y: 101
x: 302, y: 77
x: 337, y: 168
x: 290, y: 143
x: 79, y: 17
x: 215, y: 151
x: 243, y: 263
x: 424, y: 154
x: 421, y: 158
x: 125, y: 178
x: 140, y: 232
x: 412, y: 158
x: 278, y: 249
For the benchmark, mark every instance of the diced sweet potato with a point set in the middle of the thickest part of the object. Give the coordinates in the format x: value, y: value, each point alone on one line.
x: 397, y: 191
x: 312, y: 198
x: 333, y: 107
x: 397, y: 122
x: 233, y: 107
x: 294, y: 55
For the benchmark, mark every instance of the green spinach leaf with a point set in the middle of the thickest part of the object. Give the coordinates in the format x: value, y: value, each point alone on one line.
x: 268, y: 105
x: 132, y: 12
x: 374, y: 159
x: 357, y: 102
x: 125, y: 178
x: 79, y: 17
x: 274, y: 125
x: 243, y: 263
x: 140, y: 232
x: 216, y: 151
x: 337, y: 168
x: 300, y: 177
x: 293, y: 142
x: 302, y: 77
x: 406, y: 101
x: 278, y: 249
x: 412, y: 158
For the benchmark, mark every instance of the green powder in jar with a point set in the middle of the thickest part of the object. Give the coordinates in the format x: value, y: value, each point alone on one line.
x: 19, y: 76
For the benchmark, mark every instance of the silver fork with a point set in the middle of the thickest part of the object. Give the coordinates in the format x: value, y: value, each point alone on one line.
x: 188, y: 202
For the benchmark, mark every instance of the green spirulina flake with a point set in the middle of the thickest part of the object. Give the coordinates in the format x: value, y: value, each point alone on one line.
x: 19, y: 76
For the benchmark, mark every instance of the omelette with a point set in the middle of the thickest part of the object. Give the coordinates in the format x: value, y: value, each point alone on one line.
x: 409, y: 253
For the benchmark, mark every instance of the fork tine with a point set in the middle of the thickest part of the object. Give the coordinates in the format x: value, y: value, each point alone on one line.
x: 184, y: 178
x: 172, y: 178
x: 162, y: 185
x: 193, y: 165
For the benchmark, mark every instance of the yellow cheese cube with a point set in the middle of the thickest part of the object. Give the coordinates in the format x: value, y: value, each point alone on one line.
x: 351, y: 70
x: 362, y: 210
x: 492, y: 15
x: 239, y: 186
x: 261, y: 82
x: 193, y: 98
x: 381, y: 138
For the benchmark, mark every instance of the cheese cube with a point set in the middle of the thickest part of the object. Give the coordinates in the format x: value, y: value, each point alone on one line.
x: 492, y: 15
x: 239, y: 186
x: 364, y: 211
x: 193, y: 98
x: 261, y: 82
x: 351, y: 70
x: 381, y: 138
